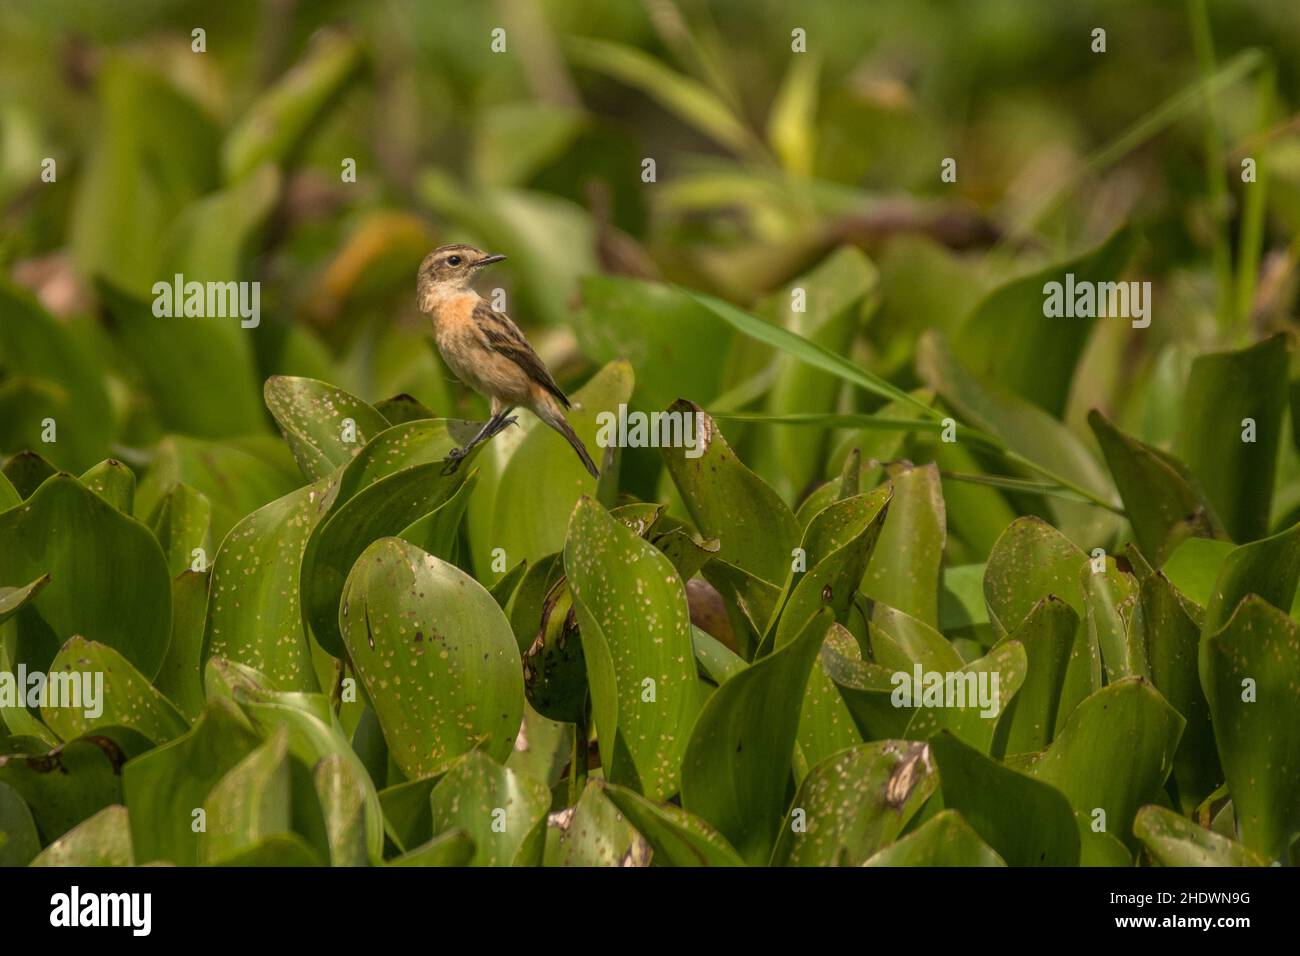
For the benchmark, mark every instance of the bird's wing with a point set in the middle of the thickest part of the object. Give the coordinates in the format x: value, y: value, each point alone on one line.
x: 504, y: 337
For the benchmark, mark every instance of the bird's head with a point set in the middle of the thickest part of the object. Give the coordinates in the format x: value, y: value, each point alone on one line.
x: 450, y: 269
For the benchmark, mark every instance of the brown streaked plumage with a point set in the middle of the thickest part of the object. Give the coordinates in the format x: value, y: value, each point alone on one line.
x: 486, y: 351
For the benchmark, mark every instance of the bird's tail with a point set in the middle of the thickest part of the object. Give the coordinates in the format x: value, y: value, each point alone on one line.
x: 555, y: 418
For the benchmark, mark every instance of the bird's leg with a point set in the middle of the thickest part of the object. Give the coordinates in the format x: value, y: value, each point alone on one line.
x: 503, y: 421
x: 490, y: 428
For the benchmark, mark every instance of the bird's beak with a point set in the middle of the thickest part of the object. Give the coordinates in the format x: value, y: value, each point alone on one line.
x: 488, y: 260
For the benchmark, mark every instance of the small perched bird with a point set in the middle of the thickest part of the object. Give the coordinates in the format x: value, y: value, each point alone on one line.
x: 486, y: 351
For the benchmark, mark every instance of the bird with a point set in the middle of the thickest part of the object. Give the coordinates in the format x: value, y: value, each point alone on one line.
x: 487, y: 351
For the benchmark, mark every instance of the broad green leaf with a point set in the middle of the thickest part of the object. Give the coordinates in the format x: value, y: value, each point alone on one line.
x: 182, y: 523
x: 67, y: 785
x: 1268, y: 568
x: 1114, y: 618
x: 453, y: 848
x: 180, y: 678
x: 9, y: 495
x: 636, y: 637
x: 1030, y: 561
x: 27, y: 471
x: 513, y: 140
x: 727, y: 501
x: 1011, y: 339
x: 213, y: 240
x: 593, y: 832
x: 944, y: 840
x: 854, y: 803
x: 1114, y: 754
x: 13, y: 600
x: 969, y: 702
x: 1231, y: 429
x: 255, y: 609
x: 905, y: 565
x: 324, y: 425
x: 276, y: 125
x: 101, y: 840
x: 1028, y: 823
x: 249, y: 804
x: 1250, y: 670
x: 1047, y: 634
x: 1159, y: 494
x: 112, y: 481
x: 281, y: 850
x: 866, y: 686
x: 106, y: 691
x: 1173, y: 840
x: 502, y: 811
x: 164, y: 786
x: 19, y: 843
x: 737, y: 765
x: 83, y: 543
x: 342, y: 795
x: 436, y: 655
x: 677, y: 838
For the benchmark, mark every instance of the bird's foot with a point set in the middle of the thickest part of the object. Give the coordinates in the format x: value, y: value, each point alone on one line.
x: 453, y: 461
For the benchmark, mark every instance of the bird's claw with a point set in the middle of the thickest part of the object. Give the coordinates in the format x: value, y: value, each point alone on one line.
x: 453, y: 461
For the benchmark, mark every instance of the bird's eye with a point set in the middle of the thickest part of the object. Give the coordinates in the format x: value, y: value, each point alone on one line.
x: 453, y: 260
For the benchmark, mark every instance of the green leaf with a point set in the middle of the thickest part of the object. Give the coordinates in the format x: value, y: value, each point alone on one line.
x: 1009, y: 338
x: 944, y: 840
x: 503, y: 812
x: 1250, y: 669
x: 101, y: 840
x: 453, y: 848
x: 691, y: 101
x: 854, y: 803
x: 255, y: 608
x: 436, y: 655
x: 275, y: 127
x: 1173, y: 840
x: 791, y: 122
x: 983, y: 699
x: 1268, y: 568
x: 182, y: 522
x: 1115, y: 624
x: 180, y: 678
x: 905, y: 565
x: 1159, y: 494
x: 1047, y: 634
x: 67, y: 785
x: 1114, y: 753
x: 249, y: 804
x: 593, y: 832
x: 13, y: 600
x: 19, y: 843
x: 94, y: 673
x: 1026, y: 822
x: 727, y: 501
x: 342, y: 793
x: 677, y: 838
x: 635, y: 627
x: 1029, y: 562
x: 165, y: 785
x: 737, y: 765
x: 324, y: 425
x: 27, y: 471
x: 1224, y: 390
x: 112, y: 481
x: 82, y: 543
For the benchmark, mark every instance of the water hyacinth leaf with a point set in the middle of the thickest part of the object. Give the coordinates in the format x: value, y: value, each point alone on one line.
x: 255, y: 609
x: 854, y: 803
x: 1114, y: 754
x: 280, y: 850
x: 866, y: 687
x: 1174, y: 840
x: 1015, y: 338
x: 1163, y: 504
x: 593, y: 832
x: 165, y: 785
x: 1173, y: 647
x: 101, y: 840
x: 502, y: 811
x: 543, y: 748
x: 1249, y: 670
x: 1028, y: 823
x: 67, y: 785
x: 385, y: 507
x: 342, y: 795
x: 543, y: 479
x: 12, y: 600
x: 27, y: 471
x: 9, y: 495
x: 403, y: 408
x: 905, y: 565
x: 407, y: 820
x: 966, y: 703
x: 717, y: 661
x: 1114, y: 619
x: 1030, y: 561
x: 737, y: 764
x: 636, y: 637
x: 436, y: 655
x: 182, y: 523
x: 81, y: 542
x: 275, y: 126
x: 98, y: 688
x: 324, y: 425
x: 438, y: 532
x: 19, y: 843
x: 676, y: 838
x: 112, y: 481
x: 1268, y: 568
x: 727, y: 501
x: 1231, y: 429
x: 555, y: 668
x: 943, y: 840
x: 453, y: 848
x: 1047, y: 634
x: 250, y: 803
